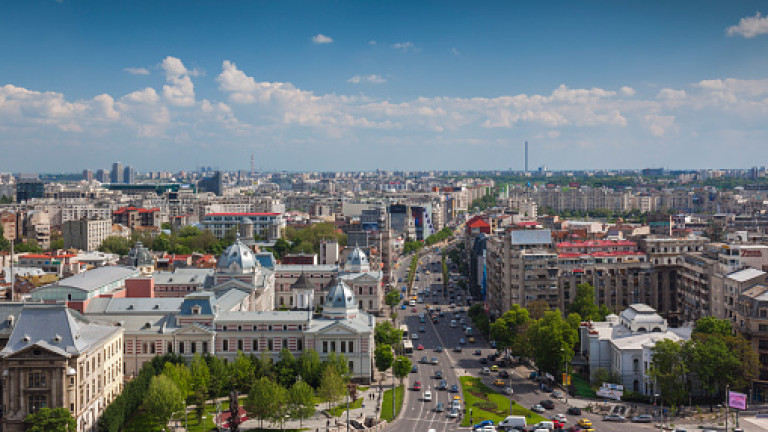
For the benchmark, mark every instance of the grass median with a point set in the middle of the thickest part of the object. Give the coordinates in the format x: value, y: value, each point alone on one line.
x: 338, y: 410
x: 488, y: 404
x: 386, y: 404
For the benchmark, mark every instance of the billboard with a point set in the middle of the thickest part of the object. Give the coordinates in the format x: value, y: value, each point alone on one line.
x: 611, y: 391
x: 737, y: 400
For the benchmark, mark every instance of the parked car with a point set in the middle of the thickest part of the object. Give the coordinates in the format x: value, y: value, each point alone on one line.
x: 573, y: 411
x: 548, y: 404
x: 457, y: 349
x: 483, y: 424
x: 438, y: 349
x: 477, y: 352
x: 614, y: 418
x: 557, y: 394
x: 642, y: 418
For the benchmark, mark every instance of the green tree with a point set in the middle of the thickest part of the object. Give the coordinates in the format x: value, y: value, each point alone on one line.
x: 163, y: 399
x: 301, y: 401
x: 56, y: 244
x: 392, y: 299
x: 200, y: 379
x: 51, y: 420
x: 180, y: 375
x: 401, y: 367
x: 286, y: 369
x: 386, y: 333
x: 28, y: 246
x: 584, y: 304
x: 713, y: 326
x: 383, y: 358
x: 604, y: 375
x: 509, y: 331
x: 219, y: 381
x: 332, y: 385
x: 552, y: 341
x: 339, y: 362
x: 281, y: 406
x: 669, y: 370
x: 5, y: 245
x: 241, y: 372
x: 116, y: 245
x: 310, y: 367
x: 263, y: 400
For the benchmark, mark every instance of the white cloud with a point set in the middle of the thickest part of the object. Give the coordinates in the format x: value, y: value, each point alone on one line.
x: 627, y: 91
x: 749, y: 27
x: 137, y: 71
x: 659, y: 125
x: 180, y: 90
x: 671, y: 94
x: 321, y: 39
x: 404, y: 46
x: 370, y: 79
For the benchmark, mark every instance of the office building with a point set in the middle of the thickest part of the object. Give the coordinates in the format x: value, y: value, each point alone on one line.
x: 86, y: 234
x: 117, y: 173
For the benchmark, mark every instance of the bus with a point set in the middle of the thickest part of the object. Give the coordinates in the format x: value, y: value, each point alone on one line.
x: 404, y: 328
x: 407, y: 346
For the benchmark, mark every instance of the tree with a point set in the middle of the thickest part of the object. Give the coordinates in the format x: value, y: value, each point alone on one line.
x: 51, y: 420
x: 401, y: 367
x: 56, y: 244
x: 180, y: 375
x: 201, y: 377
x: 383, y: 358
x: 115, y: 245
x: 669, y: 370
x: 310, y: 367
x: 163, y: 399
x: 509, y: 330
x: 219, y: 381
x: 584, y: 304
x: 604, y: 375
x: 392, y: 299
x: 286, y: 369
x: 710, y: 325
x: 241, y: 372
x: 4, y: 243
x: 552, y: 341
x: 263, y: 400
x: 339, y: 362
x: 332, y: 386
x: 386, y: 333
x: 28, y: 246
x: 301, y: 401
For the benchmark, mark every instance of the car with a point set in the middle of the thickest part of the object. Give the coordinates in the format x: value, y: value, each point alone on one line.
x: 614, y: 418
x: 403, y: 307
x: 548, y: 404
x: 560, y: 417
x: 443, y: 385
x: 499, y: 382
x: 441, y: 314
x: 462, y: 321
x: 503, y: 374
x: 427, y: 396
x: 573, y: 411
x: 471, y: 339
x: 584, y: 423
x: 483, y: 360
x: 438, y: 349
x: 508, y: 391
x: 462, y: 341
x: 485, y: 371
x: 440, y: 407
x: 642, y: 418
x: 493, y: 344
x: 424, y: 360
x: 434, y: 301
x: 413, y: 310
x: 438, y: 374
x: 417, y: 385
x: 414, y: 336
x: 477, y: 352
x: 495, y: 368
x: 420, y: 347
x: 420, y: 300
x: 434, y: 361
x: 538, y: 409
x: 454, y: 388
x: 557, y: 394
x: 422, y: 319
x: 457, y: 349
x: 454, y: 413
x: 483, y: 424
x: 414, y: 369
x: 422, y: 329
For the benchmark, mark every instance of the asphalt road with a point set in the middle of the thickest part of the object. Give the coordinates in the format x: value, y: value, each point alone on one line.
x: 419, y: 415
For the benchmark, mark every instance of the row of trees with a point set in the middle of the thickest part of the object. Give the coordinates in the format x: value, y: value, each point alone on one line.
x: 415, y: 245
x: 186, y: 240
x: 307, y: 239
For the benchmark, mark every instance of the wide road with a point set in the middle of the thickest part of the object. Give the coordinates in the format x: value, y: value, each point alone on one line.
x: 419, y: 415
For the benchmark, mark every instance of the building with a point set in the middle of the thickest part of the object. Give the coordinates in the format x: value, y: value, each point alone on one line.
x: 137, y: 217
x: 129, y: 175
x: 54, y: 359
x: 734, y: 284
x: 116, y: 176
x: 102, y: 176
x: 624, y: 344
x: 213, y: 184
x: 87, y: 175
x: 28, y: 188
x: 268, y: 226
x: 182, y: 281
x: 86, y: 234
x: 79, y: 289
x: 752, y: 322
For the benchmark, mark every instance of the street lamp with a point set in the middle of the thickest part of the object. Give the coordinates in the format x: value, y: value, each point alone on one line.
x: 203, y: 422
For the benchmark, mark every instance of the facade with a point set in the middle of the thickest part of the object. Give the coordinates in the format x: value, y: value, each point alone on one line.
x: 86, y: 234
x: 53, y: 359
x: 116, y: 176
x: 78, y: 290
x: 268, y: 226
x: 29, y: 188
x: 752, y: 322
x: 133, y: 217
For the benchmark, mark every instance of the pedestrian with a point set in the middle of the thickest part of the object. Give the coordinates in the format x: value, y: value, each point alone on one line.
x: 327, y: 423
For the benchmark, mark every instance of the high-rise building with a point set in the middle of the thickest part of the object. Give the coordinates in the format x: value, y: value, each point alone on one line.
x: 87, y: 175
x: 28, y: 187
x: 213, y: 184
x: 102, y: 176
x: 129, y: 175
x: 117, y: 173
x: 86, y: 234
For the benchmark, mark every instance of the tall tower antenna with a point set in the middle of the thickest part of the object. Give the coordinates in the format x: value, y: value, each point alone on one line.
x: 253, y: 163
x: 526, y: 156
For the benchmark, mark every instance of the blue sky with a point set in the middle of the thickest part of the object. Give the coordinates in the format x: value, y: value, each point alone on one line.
x: 351, y: 85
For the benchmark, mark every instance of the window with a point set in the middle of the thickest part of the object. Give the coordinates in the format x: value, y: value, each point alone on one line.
x: 225, y: 345
x: 193, y: 347
x: 205, y: 347
x: 333, y: 346
x: 285, y: 343
x: 299, y: 345
x: 239, y: 344
x: 255, y: 345
x: 325, y: 346
x: 635, y: 365
x: 349, y: 346
x: 270, y: 345
x: 36, y: 380
x: 343, y: 346
x: 181, y: 347
x: 36, y: 402
x: 370, y: 304
x: 351, y: 366
x: 170, y: 347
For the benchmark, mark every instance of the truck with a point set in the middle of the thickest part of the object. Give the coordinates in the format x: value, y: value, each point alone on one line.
x: 513, y: 422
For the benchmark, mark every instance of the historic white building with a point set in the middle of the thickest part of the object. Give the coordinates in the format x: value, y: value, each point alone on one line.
x: 624, y: 344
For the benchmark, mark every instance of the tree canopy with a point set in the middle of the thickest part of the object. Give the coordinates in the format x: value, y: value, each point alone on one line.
x: 51, y: 420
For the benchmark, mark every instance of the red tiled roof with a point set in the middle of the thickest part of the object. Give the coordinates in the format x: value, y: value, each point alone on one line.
x: 597, y: 243
x: 122, y: 210
x: 46, y: 256
x: 242, y: 214
x: 479, y: 223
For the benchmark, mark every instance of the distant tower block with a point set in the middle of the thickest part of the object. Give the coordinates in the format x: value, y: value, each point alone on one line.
x: 526, y: 156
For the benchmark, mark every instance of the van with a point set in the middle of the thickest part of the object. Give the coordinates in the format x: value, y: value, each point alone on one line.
x: 513, y: 422
x: 453, y: 323
x: 548, y: 425
x: 413, y: 303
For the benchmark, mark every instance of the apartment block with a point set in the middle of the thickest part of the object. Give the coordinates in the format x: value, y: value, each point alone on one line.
x: 86, y: 234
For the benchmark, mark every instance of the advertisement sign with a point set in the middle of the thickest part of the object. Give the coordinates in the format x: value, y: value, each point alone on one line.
x: 737, y: 400
x: 611, y: 391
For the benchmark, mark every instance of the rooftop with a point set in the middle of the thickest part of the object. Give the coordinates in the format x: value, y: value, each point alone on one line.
x: 746, y: 274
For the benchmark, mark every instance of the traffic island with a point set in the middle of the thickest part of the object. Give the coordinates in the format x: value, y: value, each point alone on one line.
x: 386, y: 404
x: 484, y: 403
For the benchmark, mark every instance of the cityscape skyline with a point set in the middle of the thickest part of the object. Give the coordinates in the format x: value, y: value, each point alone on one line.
x: 402, y: 86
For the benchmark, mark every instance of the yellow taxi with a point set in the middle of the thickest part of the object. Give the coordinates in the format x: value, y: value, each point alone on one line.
x: 471, y: 339
x: 456, y: 397
x: 585, y: 423
x: 499, y: 382
x: 494, y: 368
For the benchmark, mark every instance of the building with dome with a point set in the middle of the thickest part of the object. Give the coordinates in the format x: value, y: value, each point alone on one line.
x: 238, y: 268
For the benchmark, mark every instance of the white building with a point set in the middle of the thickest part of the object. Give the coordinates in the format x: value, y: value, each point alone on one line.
x: 624, y: 344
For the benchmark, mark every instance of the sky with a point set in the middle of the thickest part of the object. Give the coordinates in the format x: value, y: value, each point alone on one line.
x: 395, y: 85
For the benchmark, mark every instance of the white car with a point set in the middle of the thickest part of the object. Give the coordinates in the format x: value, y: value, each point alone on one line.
x: 414, y: 336
x: 560, y: 417
x: 508, y: 391
x: 427, y: 396
x: 454, y: 413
